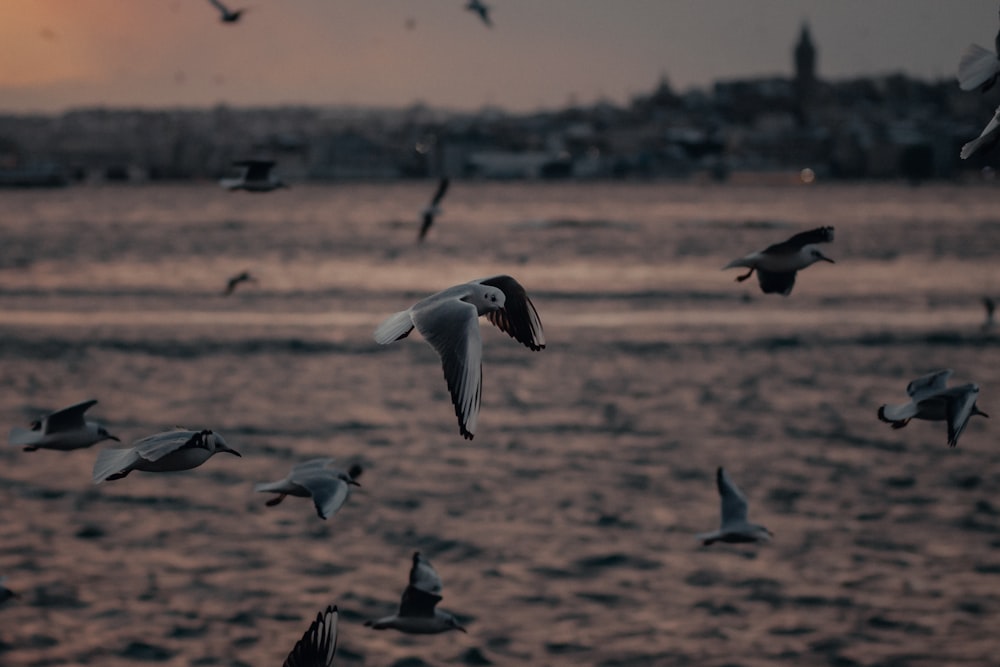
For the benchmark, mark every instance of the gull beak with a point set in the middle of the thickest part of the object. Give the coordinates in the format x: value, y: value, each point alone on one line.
x: 460, y: 628
x: 230, y: 451
x: 977, y: 411
x: 825, y: 258
x: 113, y: 437
x: 353, y: 482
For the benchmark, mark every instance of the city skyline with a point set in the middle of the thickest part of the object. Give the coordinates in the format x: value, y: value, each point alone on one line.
x: 396, y: 53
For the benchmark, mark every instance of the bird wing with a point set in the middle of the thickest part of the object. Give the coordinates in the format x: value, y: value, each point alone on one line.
x: 797, y: 242
x: 928, y: 385
x: 734, y: 503
x: 442, y: 188
x: 977, y: 67
x: 772, y: 282
x: 68, y: 419
x: 328, y: 492
x: 428, y: 221
x: 423, y: 591
x: 518, y: 318
x: 158, y: 445
x: 961, y: 400
x: 319, y: 643
x: 451, y: 326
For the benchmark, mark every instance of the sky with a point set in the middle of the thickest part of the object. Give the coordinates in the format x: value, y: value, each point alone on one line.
x: 540, y: 54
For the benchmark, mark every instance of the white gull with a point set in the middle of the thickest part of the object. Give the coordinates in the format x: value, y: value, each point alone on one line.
x: 777, y: 264
x: 932, y: 400
x: 63, y: 430
x: 317, y: 479
x: 734, y: 527
x: 161, y: 452
x: 418, y: 613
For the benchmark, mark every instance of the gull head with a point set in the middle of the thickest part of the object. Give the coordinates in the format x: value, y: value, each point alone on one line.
x: 103, y: 432
x: 347, y: 478
x: 487, y: 298
x: 215, y: 443
x: 453, y: 624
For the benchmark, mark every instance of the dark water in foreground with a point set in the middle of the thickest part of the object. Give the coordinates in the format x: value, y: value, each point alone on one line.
x: 564, y: 531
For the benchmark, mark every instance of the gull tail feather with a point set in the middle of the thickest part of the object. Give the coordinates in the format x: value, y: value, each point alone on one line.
x: 976, y: 67
x: 742, y: 261
x: 110, y: 462
x: 274, y: 487
x: 396, y: 326
x: 22, y: 436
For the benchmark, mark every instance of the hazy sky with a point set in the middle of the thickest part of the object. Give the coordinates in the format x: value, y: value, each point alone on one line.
x: 56, y: 54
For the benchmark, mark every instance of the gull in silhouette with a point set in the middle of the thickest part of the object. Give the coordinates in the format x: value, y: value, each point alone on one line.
x: 449, y: 321
x: 433, y: 209
x: 231, y: 284
x: 932, y: 400
x: 418, y: 613
x: 734, y: 527
x: 161, y: 452
x: 256, y: 177
x: 482, y: 9
x: 990, y: 307
x: 228, y: 16
x: 777, y: 264
x: 318, y: 644
x: 62, y: 430
x: 979, y: 67
x: 316, y: 479
x: 986, y: 138
x: 6, y: 593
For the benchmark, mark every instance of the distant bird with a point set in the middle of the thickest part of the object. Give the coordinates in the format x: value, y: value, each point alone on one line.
x: 986, y: 138
x: 63, y: 430
x: 449, y: 321
x: 316, y: 479
x: 932, y: 400
x: 482, y: 9
x: 6, y: 593
x: 777, y: 264
x: 734, y: 527
x: 979, y: 67
x: 990, y: 307
x: 256, y: 177
x: 418, y: 613
x: 318, y: 644
x: 433, y: 209
x: 231, y: 284
x: 162, y: 452
x: 228, y: 16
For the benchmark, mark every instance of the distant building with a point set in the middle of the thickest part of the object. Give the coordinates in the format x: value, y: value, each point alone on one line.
x: 805, y: 74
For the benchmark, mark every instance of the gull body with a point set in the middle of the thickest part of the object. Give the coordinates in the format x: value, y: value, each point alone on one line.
x: 244, y: 277
x: 317, y: 479
x: 256, y: 177
x: 777, y: 264
x: 162, y: 452
x: 449, y: 321
x: 63, y: 430
x: 433, y: 209
x: 418, y: 613
x: 931, y: 399
x: 482, y: 9
x: 319, y: 643
x: 227, y: 15
x: 734, y: 527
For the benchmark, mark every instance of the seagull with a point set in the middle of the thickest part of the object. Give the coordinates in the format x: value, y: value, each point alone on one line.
x: 433, y: 209
x: 734, y: 527
x: 417, y: 613
x: 449, y: 321
x: 777, y: 264
x: 990, y: 307
x: 227, y: 15
x: 986, y: 137
x: 256, y: 177
x: 979, y: 67
x: 62, y: 430
x: 318, y: 644
x: 161, y: 452
x: 316, y: 479
x: 231, y: 284
x: 930, y: 399
x: 6, y: 593
x: 482, y: 9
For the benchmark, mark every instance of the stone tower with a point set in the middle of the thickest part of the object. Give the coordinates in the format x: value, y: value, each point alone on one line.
x: 805, y: 73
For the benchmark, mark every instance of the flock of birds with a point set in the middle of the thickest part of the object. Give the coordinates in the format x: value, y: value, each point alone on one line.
x: 449, y: 322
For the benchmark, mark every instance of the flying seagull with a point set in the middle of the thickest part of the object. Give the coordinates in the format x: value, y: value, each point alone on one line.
x: 777, y: 264
x: 986, y: 137
x: 449, y: 321
x: 979, y: 67
x: 482, y: 9
x: 256, y: 177
x: 228, y: 16
x: 243, y: 277
x: 161, y: 452
x: 63, y: 430
x: 316, y: 479
x: 433, y: 209
x: 734, y: 527
x: 6, y: 593
x: 932, y: 400
x: 418, y: 613
x: 318, y: 644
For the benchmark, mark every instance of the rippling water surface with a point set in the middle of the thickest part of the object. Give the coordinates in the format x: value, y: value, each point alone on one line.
x: 564, y: 531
